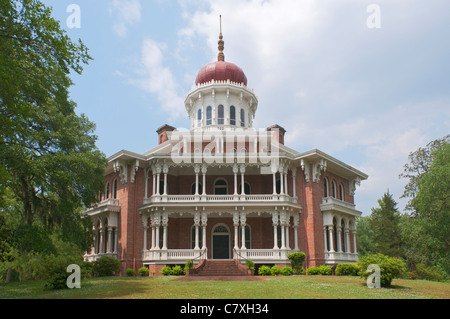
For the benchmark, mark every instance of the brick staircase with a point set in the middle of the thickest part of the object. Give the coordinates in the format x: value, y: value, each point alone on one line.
x: 221, y: 268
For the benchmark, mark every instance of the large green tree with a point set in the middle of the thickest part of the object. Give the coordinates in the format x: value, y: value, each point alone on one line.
x: 384, y: 223
x: 48, y: 156
x: 426, y: 231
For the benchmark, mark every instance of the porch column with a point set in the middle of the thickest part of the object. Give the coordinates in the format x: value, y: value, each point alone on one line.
x: 339, y: 239
x: 158, y: 179
x: 281, y: 180
x: 146, y: 171
x: 115, y: 240
x: 283, y: 229
x: 145, y: 223
x: 243, y: 224
x: 275, y: 231
x: 165, y: 224
x: 285, y: 180
x: 235, y: 172
x: 100, y: 244
x: 165, y: 171
x: 236, y: 229
x: 196, y: 224
x: 347, y: 241
x: 294, y: 175
x: 153, y: 239
x: 296, y: 222
x: 242, y: 170
x: 325, y: 231
x: 196, y: 171
x: 354, y: 241
x: 110, y: 243
x: 274, y: 183
x: 204, y: 169
x: 154, y: 180
x: 330, y: 235
x: 204, y: 224
x: 287, y: 232
x: 157, y: 225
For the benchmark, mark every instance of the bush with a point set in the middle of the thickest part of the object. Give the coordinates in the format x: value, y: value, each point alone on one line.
x: 390, y: 267
x: 106, y: 266
x: 322, y: 270
x: 178, y: 271
x: 347, y: 270
x: 143, y: 271
x: 287, y: 271
x: 250, y: 264
x: 264, y: 271
x: 189, y: 265
x: 297, y: 260
x: 430, y: 273
x: 275, y: 271
x: 131, y: 272
x: 167, y: 271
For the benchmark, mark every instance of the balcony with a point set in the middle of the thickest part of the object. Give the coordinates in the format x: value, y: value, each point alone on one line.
x: 108, y: 205
x: 333, y: 204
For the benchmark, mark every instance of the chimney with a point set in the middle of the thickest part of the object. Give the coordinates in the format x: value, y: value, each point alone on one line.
x: 164, y: 133
x: 277, y: 133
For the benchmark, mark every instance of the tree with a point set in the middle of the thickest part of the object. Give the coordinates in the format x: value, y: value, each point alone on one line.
x: 48, y: 156
x: 427, y: 230
x: 364, y: 235
x: 384, y: 222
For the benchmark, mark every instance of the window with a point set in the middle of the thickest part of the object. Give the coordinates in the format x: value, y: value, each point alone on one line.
x: 220, y: 115
x: 341, y: 192
x: 333, y: 186
x: 220, y: 187
x: 325, y: 187
x: 247, y: 189
x: 209, y: 115
x: 232, y: 115
x: 114, y: 190
x: 107, y: 191
x: 242, y: 118
x: 199, y: 117
x: 199, y: 189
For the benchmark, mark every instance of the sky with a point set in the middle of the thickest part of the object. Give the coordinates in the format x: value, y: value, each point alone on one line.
x: 366, y: 82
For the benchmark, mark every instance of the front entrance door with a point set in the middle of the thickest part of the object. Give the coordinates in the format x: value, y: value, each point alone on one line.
x: 221, y: 242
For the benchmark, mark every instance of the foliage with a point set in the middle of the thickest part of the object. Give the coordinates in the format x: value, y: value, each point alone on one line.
x: 250, y: 264
x: 275, y: 270
x: 264, y: 271
x: 49, y: 162
x: 131, y: 272
x: 287, y: 271
x: 167, y: 271
x: 390, y: 267
x: 143, y: 271
x: 384, y: 223
x: 321, y: 270
x: 189, y: 265
x: 364, y: 236
x: 347, y: 270
x: 297, y: 260
x: 178, y: 271
x: 430, y: 273
x: 106, y: 266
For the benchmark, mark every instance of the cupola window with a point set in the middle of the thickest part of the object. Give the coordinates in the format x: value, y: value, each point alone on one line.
x: 209, y: 115
x: 232, y: 115
x: 220, y: 114
x: 242, y: 118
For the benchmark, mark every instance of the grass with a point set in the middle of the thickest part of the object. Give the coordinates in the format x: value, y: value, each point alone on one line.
x: 294, y: 287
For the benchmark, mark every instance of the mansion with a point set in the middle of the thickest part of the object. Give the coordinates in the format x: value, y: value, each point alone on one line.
x: 224, y: 190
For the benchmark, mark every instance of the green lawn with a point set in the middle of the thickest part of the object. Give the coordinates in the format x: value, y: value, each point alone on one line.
x: 295, y: 287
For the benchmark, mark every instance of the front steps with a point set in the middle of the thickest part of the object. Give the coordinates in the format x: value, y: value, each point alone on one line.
x: 221, y: 268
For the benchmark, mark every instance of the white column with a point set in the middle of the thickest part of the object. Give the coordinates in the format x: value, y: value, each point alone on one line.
x: 285, y: 181
x: 325, y: 234
x: 146, y: 171
x: 281, y: 180
x: 196, y: 224
x: 204, y: 169
x: 158, y: 179
x: 242, y: 169
x: 296, y: 222
x: 235, y: 172
x: 347, y: 241
x: 294, y: 175
x: 275, y: 230
x: 274, y: 184
x: 154, y: 184
x: 165, y: 224
x: 287, y: 235
x: 354, y: 242
x: 145, y: 237
x: 330, y: 236
x: 165, y: 171
x: 236, y: 230
x: 243, y: 224
x: 157, y: 225
x: 115, y: 240
x: 110, y: 243
x: 339, y: 238
x: 204, y: 224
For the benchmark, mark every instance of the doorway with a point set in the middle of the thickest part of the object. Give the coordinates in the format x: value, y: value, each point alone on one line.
x: 221, y: 242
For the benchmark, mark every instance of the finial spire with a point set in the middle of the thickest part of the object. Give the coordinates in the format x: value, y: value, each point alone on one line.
x: 221, y: 56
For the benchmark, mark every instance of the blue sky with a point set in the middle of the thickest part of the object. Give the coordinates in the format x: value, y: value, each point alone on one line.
x: 367, y: 96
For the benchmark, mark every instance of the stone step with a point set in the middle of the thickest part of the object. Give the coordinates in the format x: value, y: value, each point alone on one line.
x: 221, y: 268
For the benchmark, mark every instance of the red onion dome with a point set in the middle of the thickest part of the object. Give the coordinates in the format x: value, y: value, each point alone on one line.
x: 221, y: 71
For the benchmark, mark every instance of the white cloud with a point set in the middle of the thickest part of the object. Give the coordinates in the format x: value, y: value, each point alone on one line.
x: 126, y: 13
x: 156, y: 78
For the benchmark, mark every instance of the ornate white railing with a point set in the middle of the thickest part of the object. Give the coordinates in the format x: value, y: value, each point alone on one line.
x: 340, y: 257
x: 219, y: 198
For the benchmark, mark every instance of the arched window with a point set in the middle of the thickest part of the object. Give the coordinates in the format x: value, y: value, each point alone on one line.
x: 209, y: 115
x: 220, y: 114
x: 220, y: 187
x: 114, y: 190
x: 341, y: 192
x: 242, y: 118
x: 333, y: 188
x: 232, y: 115
x: 107, y: 191
x: 199, y: 117
x: 325, y: 187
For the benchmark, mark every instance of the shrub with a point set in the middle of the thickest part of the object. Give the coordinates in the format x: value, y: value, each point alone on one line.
x: 131, y: 272
x: 275, y: 271
x: 297, y: 260
x: 390, y: 267
x: 250, y: 264
x: 143, y: 271
x: 178, y: 271
x: 430, y: 273
x: 312, y: 270
x: 167, y: 271
x: 287, y: 271
x: 189, y: 265
x: 347, y: 270
x: 264, y: 271
x: 322, y: 270
x: 106, y: 266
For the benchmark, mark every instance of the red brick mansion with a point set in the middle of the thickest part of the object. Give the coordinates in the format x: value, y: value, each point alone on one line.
x: 224, y: 190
